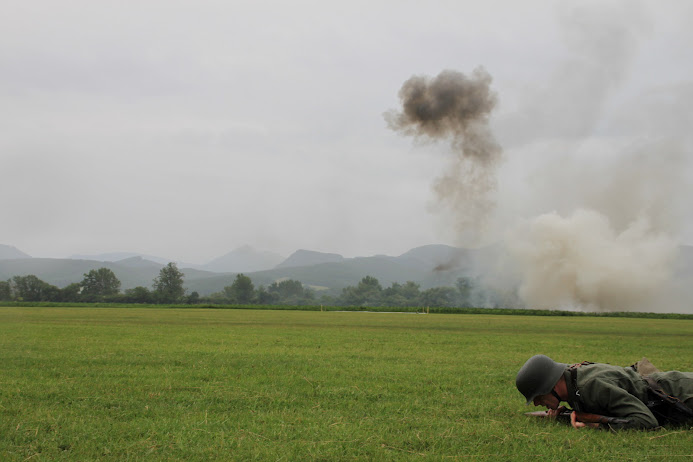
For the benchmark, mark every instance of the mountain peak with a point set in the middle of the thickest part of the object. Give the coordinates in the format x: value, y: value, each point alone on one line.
x: 138, y: 262
x: 309, y: 257
x: 118, y: 257
x: 437, y: 256
x: 9, y: 252
x: 244, y: 259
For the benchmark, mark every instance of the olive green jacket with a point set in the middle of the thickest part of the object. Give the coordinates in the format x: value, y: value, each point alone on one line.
x: 621, y: 392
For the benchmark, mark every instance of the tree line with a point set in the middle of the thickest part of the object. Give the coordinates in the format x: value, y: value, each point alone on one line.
x: 98, y: 285
x: 102, y: 285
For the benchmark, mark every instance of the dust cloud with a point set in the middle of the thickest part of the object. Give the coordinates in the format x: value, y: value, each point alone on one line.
x: 582, y: 262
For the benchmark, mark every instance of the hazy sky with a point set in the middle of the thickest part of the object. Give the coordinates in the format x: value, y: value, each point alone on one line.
x: 185, y: 129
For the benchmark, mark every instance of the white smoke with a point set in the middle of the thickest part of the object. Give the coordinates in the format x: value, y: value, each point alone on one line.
x: 581, y: 261
x: 619, y: 203
x: 612, y: 241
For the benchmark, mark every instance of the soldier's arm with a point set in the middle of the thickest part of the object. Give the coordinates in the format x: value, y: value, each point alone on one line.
x: 619, y: 403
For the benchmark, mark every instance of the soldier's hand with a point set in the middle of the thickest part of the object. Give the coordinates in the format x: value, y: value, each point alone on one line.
x: 577, y: 424
x: 553, y: 413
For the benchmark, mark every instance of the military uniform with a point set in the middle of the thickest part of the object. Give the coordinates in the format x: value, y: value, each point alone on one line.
x: 621, y: 392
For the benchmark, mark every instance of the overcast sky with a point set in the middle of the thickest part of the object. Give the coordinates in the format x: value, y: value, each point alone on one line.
x: 185, y: 129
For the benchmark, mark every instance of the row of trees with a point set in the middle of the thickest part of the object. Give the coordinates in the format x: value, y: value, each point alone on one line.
x: 368, y: 292
x: 99, y: 285
x: 243, y: 291
x: 102, y: 285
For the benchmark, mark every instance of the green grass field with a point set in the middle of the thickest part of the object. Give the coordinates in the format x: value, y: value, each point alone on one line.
x: 199, y: 384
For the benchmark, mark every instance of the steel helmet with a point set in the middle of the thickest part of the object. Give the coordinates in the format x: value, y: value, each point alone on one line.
x: 538, y: 376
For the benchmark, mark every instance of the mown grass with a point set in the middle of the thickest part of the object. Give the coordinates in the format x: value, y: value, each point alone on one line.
x: 204, y: 384
x: 374, y: 309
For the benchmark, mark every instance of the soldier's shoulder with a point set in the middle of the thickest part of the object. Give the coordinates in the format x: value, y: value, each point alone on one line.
x: 600, y: 372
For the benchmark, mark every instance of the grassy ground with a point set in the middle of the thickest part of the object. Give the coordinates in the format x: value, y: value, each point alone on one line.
x: 197, y: 384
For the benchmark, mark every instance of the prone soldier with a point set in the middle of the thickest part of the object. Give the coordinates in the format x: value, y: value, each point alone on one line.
x: 605, y: 395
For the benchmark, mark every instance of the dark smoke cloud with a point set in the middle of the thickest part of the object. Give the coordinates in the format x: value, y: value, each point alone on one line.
x: 449, y: 106
x: 456, y: 108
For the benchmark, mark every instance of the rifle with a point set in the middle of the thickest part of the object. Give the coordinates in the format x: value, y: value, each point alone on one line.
x: 585, y: 417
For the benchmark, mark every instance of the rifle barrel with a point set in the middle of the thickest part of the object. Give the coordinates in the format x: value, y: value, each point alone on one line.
x: 585, y: 417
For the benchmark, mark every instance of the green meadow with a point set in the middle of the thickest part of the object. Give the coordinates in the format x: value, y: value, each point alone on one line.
x: 79, y: 383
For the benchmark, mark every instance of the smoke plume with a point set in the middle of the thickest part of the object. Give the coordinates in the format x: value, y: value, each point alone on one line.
x: 597, y: 221
x: 609, y: 240
x: 454, y: 107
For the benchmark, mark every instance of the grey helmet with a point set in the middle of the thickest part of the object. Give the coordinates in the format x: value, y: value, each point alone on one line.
x: 538, y: 376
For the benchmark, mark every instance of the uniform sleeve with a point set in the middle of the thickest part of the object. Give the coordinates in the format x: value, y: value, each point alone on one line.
x: 617, y: 402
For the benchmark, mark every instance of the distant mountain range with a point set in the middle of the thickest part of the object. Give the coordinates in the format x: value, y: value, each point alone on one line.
x: 332, y: 271
x: 429, y: 266
x: 242, y: 259
x: 119, y: 256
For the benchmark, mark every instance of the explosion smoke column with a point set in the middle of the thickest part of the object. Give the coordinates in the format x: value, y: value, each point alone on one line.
x: 455, y: 107
x: 600, y: 223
